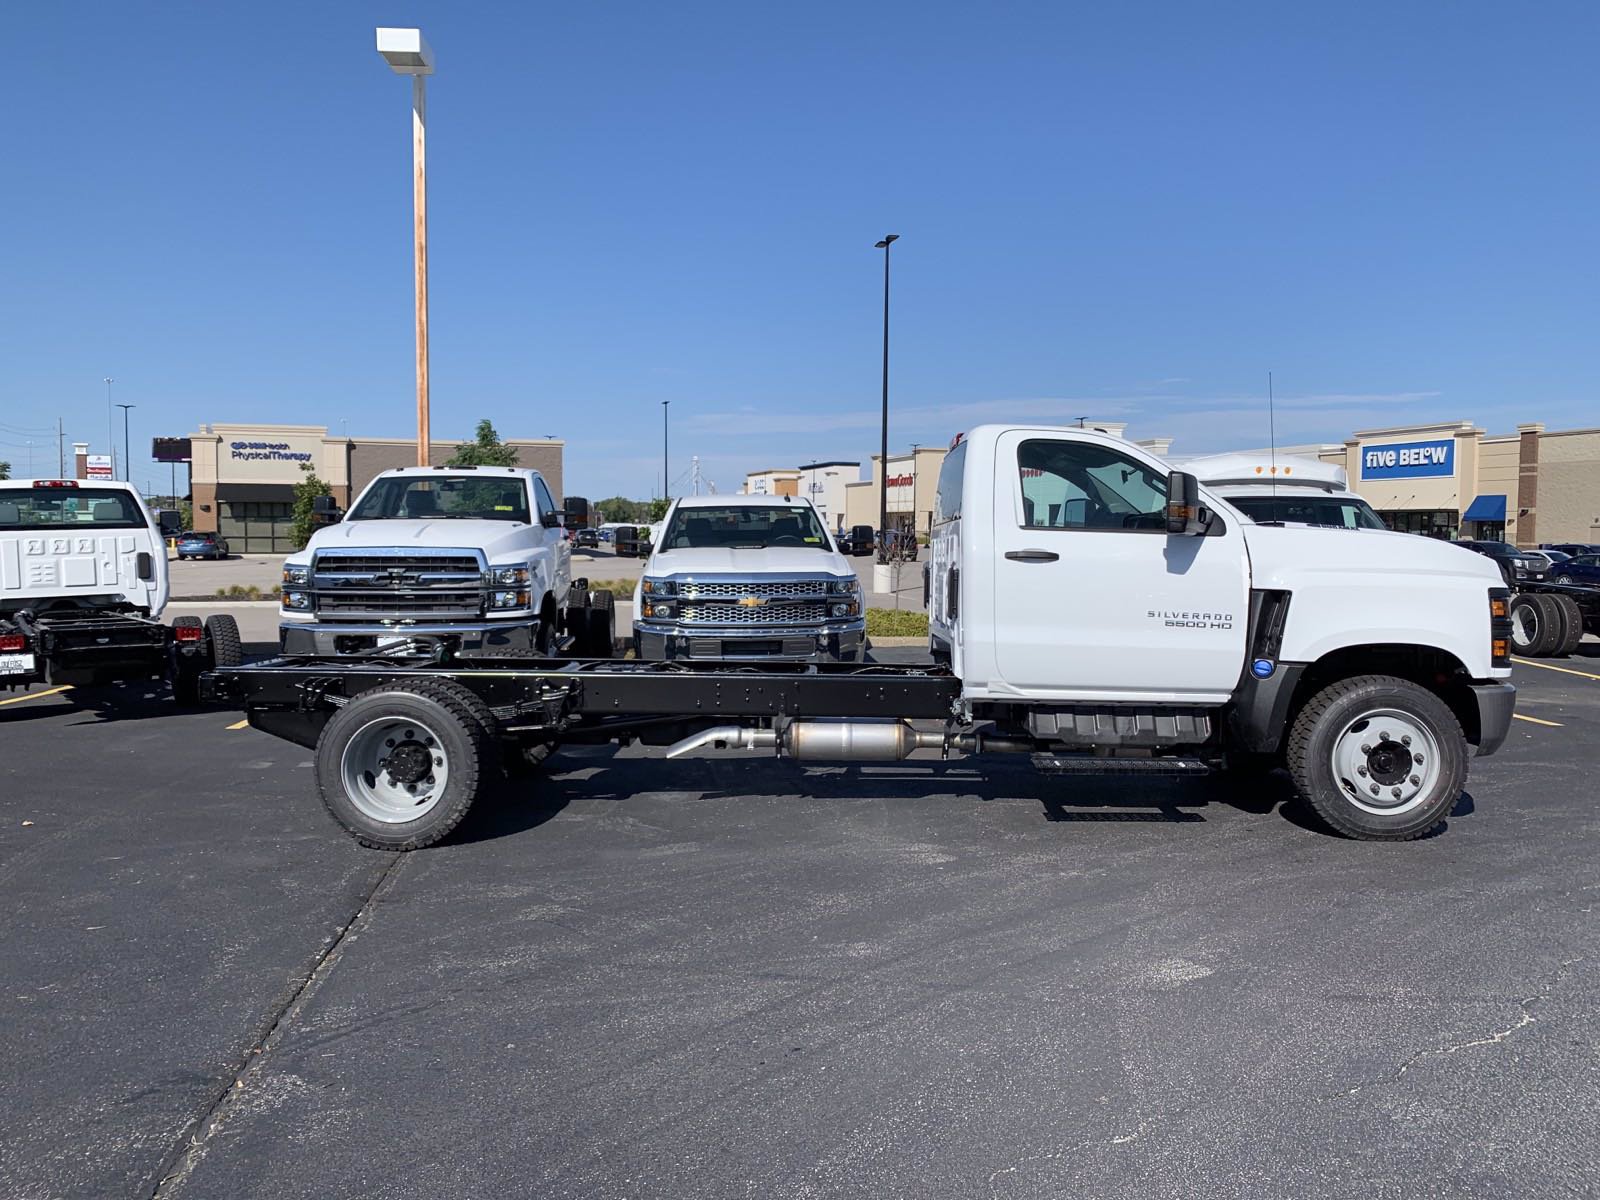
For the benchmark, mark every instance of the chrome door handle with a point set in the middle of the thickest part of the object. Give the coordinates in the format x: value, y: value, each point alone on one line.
x: 1032, y: 555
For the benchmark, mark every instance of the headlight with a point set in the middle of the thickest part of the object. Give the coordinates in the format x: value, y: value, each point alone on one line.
x: 296, y: 576
x: 844, y: 587
x: 658, y: 610
x: 845, y: 608
x: 503, y: 600
x: 299, y: 601
x: 510, y: 576
x: 659, y: 587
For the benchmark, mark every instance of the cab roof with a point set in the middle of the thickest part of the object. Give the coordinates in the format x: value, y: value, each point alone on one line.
x: 741, y: 500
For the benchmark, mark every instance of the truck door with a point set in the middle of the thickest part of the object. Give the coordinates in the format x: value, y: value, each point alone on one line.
x: 555, y: 541
x: 1092, y: 596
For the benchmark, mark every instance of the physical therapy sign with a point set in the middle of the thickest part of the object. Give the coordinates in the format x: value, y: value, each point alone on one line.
x: 1409, y: 460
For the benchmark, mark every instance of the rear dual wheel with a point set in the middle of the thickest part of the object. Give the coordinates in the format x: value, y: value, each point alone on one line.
x: 1544, y: 625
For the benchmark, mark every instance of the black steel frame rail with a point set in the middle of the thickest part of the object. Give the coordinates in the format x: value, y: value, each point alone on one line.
x: 609, y: 687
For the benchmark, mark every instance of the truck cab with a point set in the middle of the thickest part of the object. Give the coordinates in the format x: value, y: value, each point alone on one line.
x: 464, y: 559
x: 1283, y: 489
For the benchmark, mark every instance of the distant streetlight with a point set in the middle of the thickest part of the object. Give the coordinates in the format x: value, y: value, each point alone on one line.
x: 407, y: 54
x: 127, y: 460
x: 666, y: 485
x: 111, y: 428
x: 883, y: 490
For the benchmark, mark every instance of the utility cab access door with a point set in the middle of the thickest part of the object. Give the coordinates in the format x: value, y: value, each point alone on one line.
x: 1093, y: 598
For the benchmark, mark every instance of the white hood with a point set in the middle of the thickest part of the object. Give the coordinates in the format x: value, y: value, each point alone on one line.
x: 497, y: 539
x: 1281, y: 555
x: 774, y: 560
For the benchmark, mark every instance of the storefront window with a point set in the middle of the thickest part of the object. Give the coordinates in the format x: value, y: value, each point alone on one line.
x: 1439, y: 523
x: 257, y: 526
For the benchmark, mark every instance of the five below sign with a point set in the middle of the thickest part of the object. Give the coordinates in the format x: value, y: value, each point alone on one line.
x: 1409, y: 460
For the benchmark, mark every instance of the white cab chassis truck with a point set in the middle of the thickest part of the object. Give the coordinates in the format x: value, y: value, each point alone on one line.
x: 83, y: 581
x: 442, y: 562
x: 1090, y: 606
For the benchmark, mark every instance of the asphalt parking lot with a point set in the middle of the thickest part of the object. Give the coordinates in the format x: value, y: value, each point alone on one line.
x: 737, y: 977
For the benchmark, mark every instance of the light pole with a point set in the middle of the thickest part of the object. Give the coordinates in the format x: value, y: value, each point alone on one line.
x: 883, y: 489
x: 666, y: 484
x: 407, y: 54
x: 127, y: 461
x: 111, y: 428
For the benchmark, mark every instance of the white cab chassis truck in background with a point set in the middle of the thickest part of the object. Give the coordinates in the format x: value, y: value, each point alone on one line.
x: 436, y: 562
x: 83, y: 581
x: 1089, y: 606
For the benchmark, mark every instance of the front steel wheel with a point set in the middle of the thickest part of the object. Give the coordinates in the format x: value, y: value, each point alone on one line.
x: 1379, y: 758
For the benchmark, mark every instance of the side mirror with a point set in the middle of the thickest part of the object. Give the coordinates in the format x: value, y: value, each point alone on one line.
x: 550, y: 520
x: 1184, y: 512
x: 324, y: 505
x: 577, y: 511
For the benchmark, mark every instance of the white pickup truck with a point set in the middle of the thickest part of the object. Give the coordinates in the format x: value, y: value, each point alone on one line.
x: 442, y: 561
x: 83, y: 581
x: 1090, y: 606
x: 743, y: 577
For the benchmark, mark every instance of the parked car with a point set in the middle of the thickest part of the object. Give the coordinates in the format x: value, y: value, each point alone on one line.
x: 1580, y: 568
x: 857, y: 541
x: 1516, y: 566
x: 586, y: 539
x: 747, y: 577
x: 1551, y: 557
x: 1573, y: 549
x: 202, y: 545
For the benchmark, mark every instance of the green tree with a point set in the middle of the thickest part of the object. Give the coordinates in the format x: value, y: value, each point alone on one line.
x: 658, y: 509
x: 305, y: 499
x: 623, y: 511
x: 486, y: 450
x: 5, y: 470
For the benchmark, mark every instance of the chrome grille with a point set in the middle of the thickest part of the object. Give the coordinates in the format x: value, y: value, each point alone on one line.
x: 397, y: 587
x: 694, y: 590
x: 728, y: 613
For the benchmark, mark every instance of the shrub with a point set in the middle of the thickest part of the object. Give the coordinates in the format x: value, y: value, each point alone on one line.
x: 889, y: 622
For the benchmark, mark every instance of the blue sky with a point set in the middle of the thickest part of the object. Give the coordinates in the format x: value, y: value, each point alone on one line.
x: 1129, y: 212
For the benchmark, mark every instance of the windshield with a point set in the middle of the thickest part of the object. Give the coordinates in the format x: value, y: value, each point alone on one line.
x: 749, y: 527
x: 1338, y: 512
x: 69, y: 508
x: 443, y: 497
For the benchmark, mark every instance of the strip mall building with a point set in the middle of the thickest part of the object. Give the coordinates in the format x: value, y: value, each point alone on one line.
x: 243, y: 476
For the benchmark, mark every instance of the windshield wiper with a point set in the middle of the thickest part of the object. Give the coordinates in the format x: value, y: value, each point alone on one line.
x: 746, y: 546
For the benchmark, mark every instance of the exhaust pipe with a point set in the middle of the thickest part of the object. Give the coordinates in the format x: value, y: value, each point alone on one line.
x: 881, y: 740
x: 722, y: 737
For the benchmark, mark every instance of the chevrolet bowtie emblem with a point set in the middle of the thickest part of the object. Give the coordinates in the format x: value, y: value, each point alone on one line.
x: 752, y: 601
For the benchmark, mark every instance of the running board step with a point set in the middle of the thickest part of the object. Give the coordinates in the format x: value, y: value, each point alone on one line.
x: 1088, y: 764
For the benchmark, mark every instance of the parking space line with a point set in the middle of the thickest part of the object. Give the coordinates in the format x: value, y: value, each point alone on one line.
x: 65, y: 687
x: 244, y: 724
x: 1547, y: 667
x: 1539, y: 721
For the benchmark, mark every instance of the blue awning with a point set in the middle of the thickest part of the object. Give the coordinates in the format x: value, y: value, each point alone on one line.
x: 1486, y: 508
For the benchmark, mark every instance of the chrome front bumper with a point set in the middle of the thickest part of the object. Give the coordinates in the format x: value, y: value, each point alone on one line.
x: 318, y: 639
x: 837, y: 641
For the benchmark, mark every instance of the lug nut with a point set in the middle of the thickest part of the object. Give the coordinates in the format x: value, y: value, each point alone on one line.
x: 1397, y: 793
x: 1416, y: 781
x: 1417, y: 758
x: 1364, y: 749
x: 1361, y: 770
x: 1374, y: 789
x: 1405, y: 740
x: 389, y: 742
x: 1384, y: 736
x: 412, y: 788
x: 438, y: 760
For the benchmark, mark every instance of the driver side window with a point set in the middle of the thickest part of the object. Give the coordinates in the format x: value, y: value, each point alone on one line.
x: 541, y: 495
x: 1084, y: 485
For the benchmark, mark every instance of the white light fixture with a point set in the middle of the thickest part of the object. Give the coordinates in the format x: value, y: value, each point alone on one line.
x: 405, y: 51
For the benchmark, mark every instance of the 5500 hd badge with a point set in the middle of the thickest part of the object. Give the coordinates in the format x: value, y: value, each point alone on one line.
x: 1191, y: 620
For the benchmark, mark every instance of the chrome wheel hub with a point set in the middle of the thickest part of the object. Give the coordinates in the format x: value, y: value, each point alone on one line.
x: 394, y: 770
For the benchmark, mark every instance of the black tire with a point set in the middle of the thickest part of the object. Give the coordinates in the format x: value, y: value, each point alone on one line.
x: 1554, y: 628
x: 1571, y: 626
x: 227, y: 648
x: 602, y: 612
x: 1341, y: 721
x: 441, y: 706
x: 1530, y: 627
